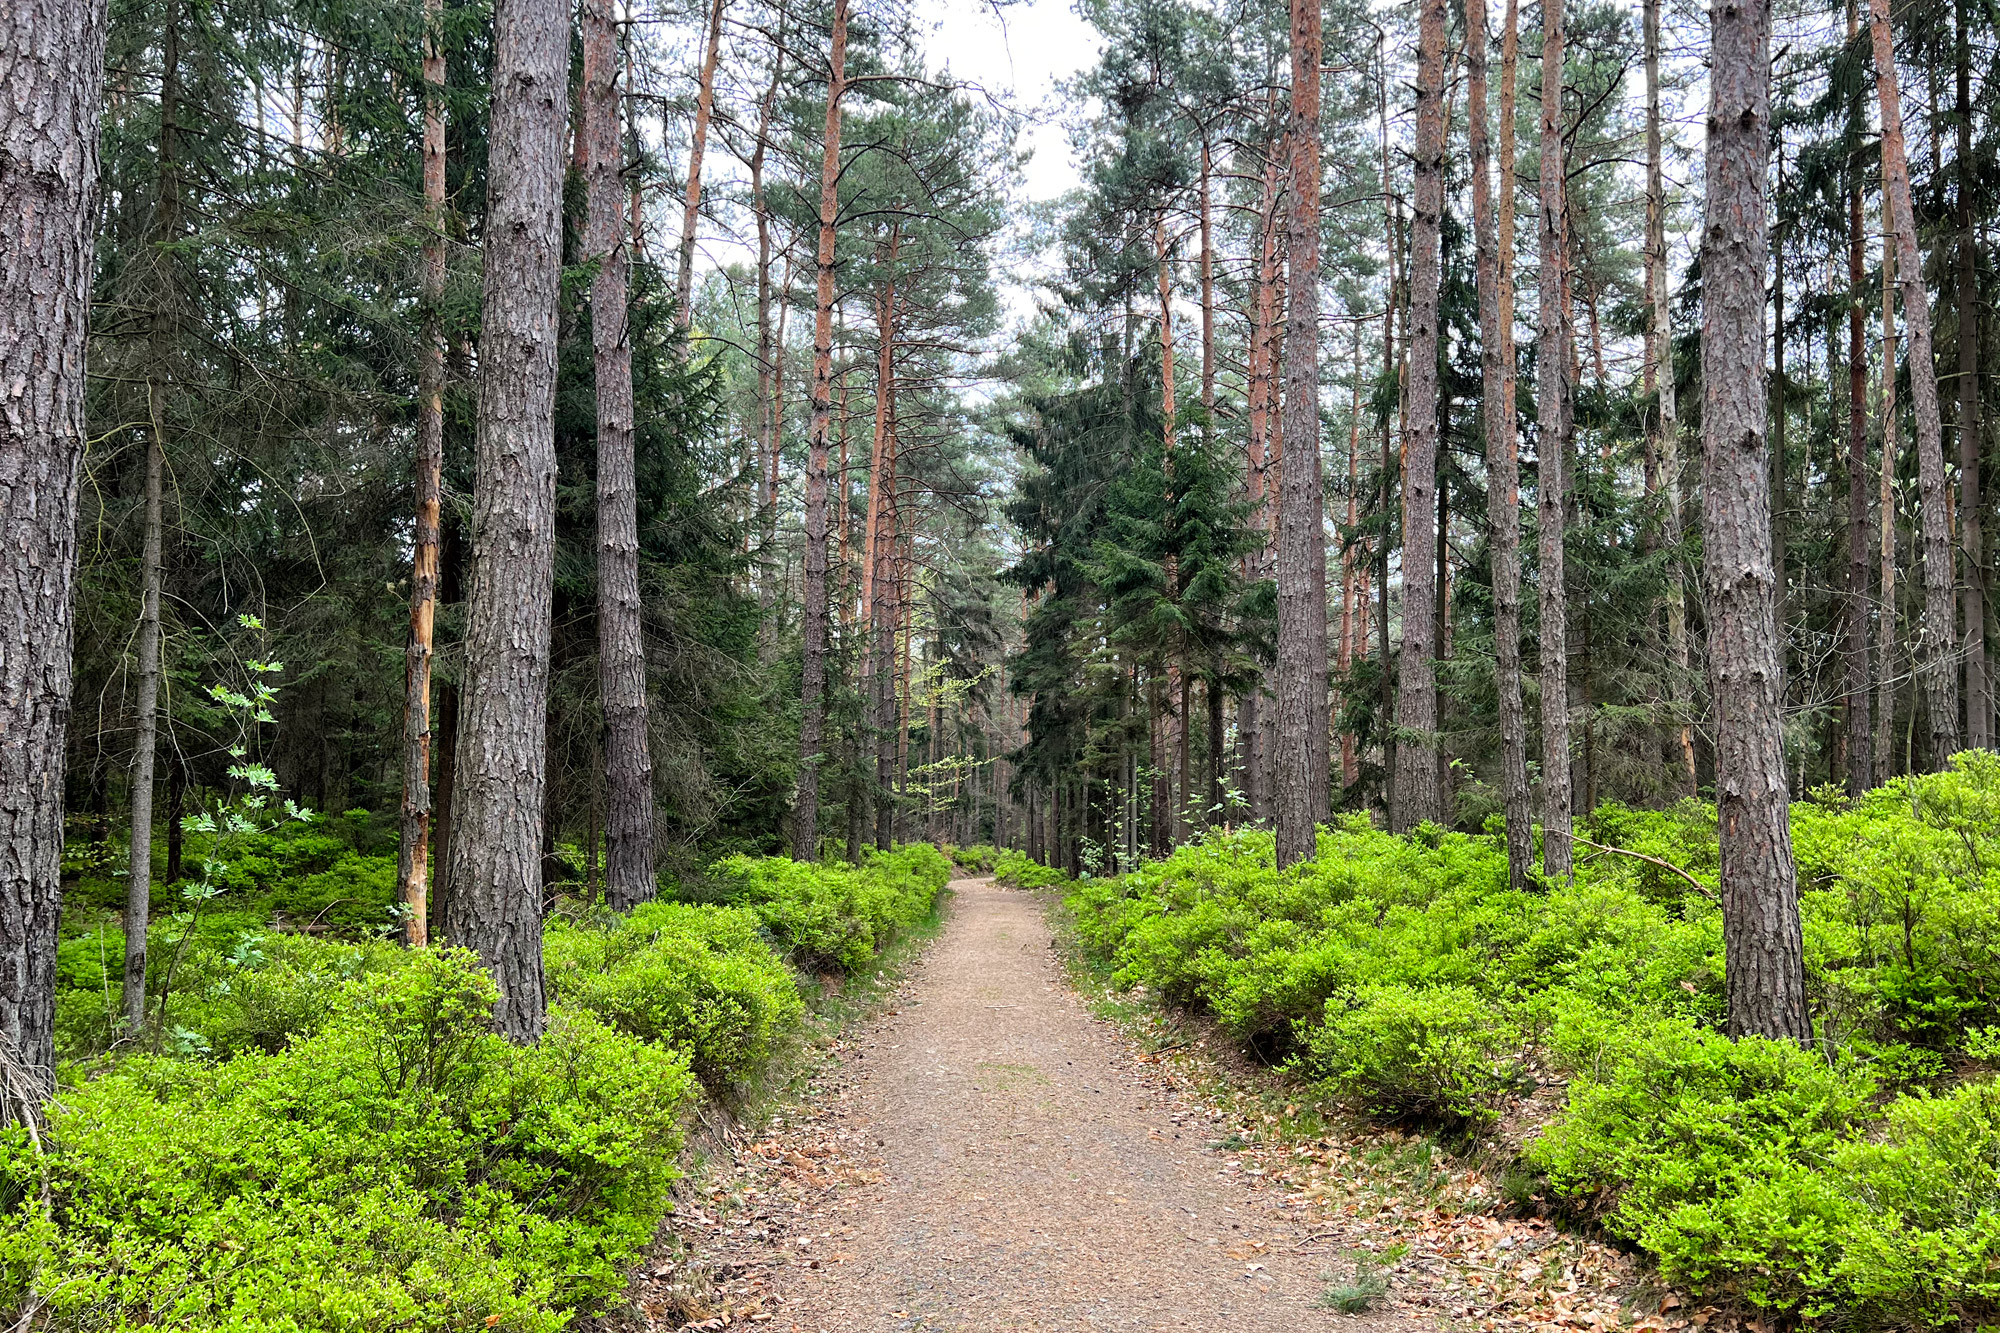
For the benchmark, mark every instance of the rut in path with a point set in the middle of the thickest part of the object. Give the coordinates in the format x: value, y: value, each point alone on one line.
x: 1020, y: 1175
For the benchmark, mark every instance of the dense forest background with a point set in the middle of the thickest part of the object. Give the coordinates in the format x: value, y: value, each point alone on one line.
x: 1051, y: 503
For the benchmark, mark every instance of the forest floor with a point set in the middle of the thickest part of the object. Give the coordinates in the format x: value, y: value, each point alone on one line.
x: 991, y: 1151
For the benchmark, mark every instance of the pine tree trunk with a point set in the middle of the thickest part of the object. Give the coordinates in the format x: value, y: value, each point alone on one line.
x: 51, y: 76
x: 1885, y: 629
x: 1971, y: 441
x: 1553, y: 408
x: 1763, y: 946
x: 805, y: 809
x: 1302, y: 759
x: 621, y: 644
x: 768, y: 352
x: 166, y: 231
x: 1937, y: 645
x: 502, y: 768
x: 703, y: 107
x: 1665, y: 421
x: 413, y: 845
x: 1860, y: 734
x: 1503, y: 498
x: 1207, y: 299
x: 1417, y: 796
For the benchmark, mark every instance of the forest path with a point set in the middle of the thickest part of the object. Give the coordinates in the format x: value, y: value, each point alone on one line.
x: 988, y: 1156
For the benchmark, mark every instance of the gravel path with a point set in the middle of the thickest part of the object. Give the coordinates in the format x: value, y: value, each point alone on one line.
x: 990, y: 1157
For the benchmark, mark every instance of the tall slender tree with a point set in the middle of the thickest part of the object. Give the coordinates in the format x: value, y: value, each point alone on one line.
x: 1762, y: 942
x: 621, y: 645
x: 1303, y: 751
x: 704, y: 105
x: 805, y: 807
x: 413, y: 846
x: 1937, y: 646
x: 1418, y: 794
x: 1495, y: 267
x: 1971, y: 430
x: 51, y: 71
x: 1860, y: 737
x: 1554, y: 412
x: 495, y: 907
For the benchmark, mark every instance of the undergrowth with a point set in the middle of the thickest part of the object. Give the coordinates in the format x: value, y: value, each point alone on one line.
x: 330, y: 1136
x: 1404, y: 980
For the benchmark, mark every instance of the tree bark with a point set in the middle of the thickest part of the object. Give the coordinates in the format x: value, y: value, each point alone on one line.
x: 413, y: 845
x: 1971, y: 441
x: 496, y: 900
x: 703, y: 107
x: 1860, y: 734
x: 1665, y: 420
x: 621, y: 645
x: 1885, y: 630
x: 1302, y: 758
x: 805, y: 808
x: 1554, y: 405
x: 51, y: 76
x: 1762, y: 943
x: 1937, y: 645
x: 1418, y: 798
x: 1503, y: 498
x: 165, y: 231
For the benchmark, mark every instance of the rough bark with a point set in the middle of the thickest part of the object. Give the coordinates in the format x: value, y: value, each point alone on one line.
x: 1418, y: 797
x: 1301, y: 763
x: 1763, y: 946
x: 413, y: 845
x: 1885, y: 628
x: 1937, y: 645
x: 1665, y: 443
x: 1854, y: 610
x: 1971, y: 516
x: 51, y: 71
x: 621, y: 645
x: 1553, y: 408
x: 166, y: 230
x: 496, y: 899
x: 805, y: 807
x: 704, y: 104
x: 1494, y: 257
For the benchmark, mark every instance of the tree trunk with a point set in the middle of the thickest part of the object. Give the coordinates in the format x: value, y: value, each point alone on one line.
x: 502, y: 767
x: 1971, y: 516
x: 1207, y: 299
x: 1418, y: 798
x: 1763, y: 947
x: 805, y: 809
x: 1665, y: 421
x: 1302, y: 758
x: 768, y: 352
x: 621, y: 644
x: 413, y: 845
x: 1254, y: 718
x: 1937, y: 645
x: 1885, y: 630
x: 1495, y: 258
x: 166, y: 231
x: 53, y: 76
x: 1860, y: 734
x: 1553, y: 391
x: 703, y: 105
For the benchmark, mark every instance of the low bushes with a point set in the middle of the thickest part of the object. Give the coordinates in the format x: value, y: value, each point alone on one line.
x: 700, y: 980
x: 1408, y: 980
x: 834, y: 917
x: 975, y: 860
x: 400, y: 1167
x: 1024, y: 872
x: 328, y: 1135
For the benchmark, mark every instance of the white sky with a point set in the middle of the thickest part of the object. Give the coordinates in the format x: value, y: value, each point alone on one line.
x: 1019, y: 53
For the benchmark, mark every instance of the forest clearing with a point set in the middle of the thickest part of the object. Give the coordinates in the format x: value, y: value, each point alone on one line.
x: 1164, y: 663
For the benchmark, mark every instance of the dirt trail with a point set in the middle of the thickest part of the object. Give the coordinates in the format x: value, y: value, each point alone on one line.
x: 990, y: 1157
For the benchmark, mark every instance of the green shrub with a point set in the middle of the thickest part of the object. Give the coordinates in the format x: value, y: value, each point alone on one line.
x: 699, y: 980
x: 975, y: 860
x: 1439, y: 1054
x: 834, y: 917
x: 1024, y: 872
x: 400, y: 1168
x: 355, y: 893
